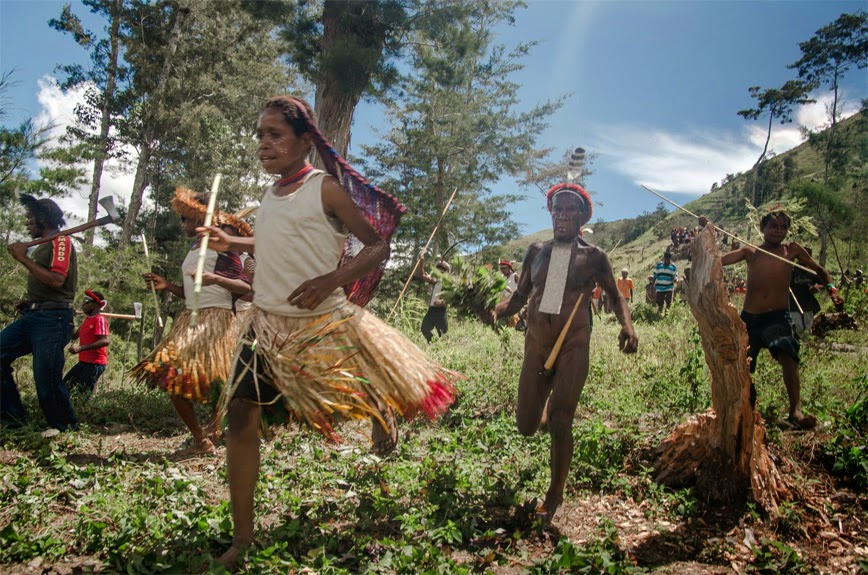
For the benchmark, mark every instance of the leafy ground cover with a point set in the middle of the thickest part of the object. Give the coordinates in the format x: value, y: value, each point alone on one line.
x: 458, y: 496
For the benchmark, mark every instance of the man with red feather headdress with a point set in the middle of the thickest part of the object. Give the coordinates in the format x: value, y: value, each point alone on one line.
x: 555, y: 275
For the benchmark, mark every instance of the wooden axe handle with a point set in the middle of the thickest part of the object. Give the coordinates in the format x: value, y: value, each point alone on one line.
x: 553, y: 356
x: 68, y: 232
x: 119, y: 315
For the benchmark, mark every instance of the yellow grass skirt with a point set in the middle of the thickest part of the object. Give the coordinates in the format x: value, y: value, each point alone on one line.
x: 189, y: 359
x: 347, y: 364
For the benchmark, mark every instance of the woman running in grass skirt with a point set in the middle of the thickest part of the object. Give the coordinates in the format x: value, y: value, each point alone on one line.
x: 189, y: 359
x: 307, y: 346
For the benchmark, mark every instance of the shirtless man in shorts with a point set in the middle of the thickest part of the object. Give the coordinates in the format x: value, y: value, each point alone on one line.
x: 550, y: 398
x: 766, y: 304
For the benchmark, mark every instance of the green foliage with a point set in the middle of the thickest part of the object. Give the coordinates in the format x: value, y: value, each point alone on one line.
x: 430, y: 150
x: 645, y: 221
x: 644, y: 312
x: 826, y: 59
x: 598, y: 453
x: 693, y: 372
x: 856, y: 302
x: 847, y: 451
x: 471, y: 290
x: 771, y: 557
x: 601, y: 556
x: 449, y: 501
x: 801, y: 225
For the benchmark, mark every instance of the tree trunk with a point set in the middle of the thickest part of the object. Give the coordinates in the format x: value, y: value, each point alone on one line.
x: 721, y: 451
x: 831, y: 136
x: 352, y: 46
x: 143, y: 168
x: 824, y: 247
x: 105, y: 121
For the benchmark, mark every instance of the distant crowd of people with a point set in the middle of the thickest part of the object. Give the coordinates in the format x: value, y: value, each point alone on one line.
x: 680, y: 236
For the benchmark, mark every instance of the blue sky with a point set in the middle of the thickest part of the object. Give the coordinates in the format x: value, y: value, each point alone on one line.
x: 655, y: 87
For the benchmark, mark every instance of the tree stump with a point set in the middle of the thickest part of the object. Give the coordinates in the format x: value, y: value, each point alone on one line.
x: 722, y: 451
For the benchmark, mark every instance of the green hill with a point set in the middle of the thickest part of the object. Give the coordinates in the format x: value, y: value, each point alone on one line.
x: 640, y: 241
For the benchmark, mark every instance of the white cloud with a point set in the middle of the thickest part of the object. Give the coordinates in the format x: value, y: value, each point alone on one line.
x: 58, y: 112
x: 691, y: 162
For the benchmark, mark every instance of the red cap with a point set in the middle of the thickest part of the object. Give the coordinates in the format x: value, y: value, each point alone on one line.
x: 95, y: 297
x: 572, y: 188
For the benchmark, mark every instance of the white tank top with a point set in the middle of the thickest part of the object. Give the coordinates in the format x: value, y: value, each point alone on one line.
x: 295, y: 242
x: 209, y: 296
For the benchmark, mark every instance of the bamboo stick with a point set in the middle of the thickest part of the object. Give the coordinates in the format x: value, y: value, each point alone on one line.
x: 153, y: 289
x: 721, y: 230
x: 203, y: 249
x: 424, y: 250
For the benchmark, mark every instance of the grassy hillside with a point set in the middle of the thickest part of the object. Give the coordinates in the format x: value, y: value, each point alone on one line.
x: 724, y: 205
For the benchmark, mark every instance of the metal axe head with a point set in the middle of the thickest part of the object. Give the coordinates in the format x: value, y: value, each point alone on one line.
x: 108, y: 203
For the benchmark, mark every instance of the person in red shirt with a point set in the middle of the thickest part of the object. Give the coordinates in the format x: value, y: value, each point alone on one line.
x: 93, y: 341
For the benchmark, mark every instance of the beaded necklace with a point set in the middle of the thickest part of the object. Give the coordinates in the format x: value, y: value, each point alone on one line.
x: 298, y: 176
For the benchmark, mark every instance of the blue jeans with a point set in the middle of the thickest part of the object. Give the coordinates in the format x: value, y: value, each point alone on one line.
x: 82, y: 377
x: 43, y: 333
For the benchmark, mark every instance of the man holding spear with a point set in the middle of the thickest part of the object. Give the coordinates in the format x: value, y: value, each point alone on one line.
x: 557, y: 276
x: 766, y: 304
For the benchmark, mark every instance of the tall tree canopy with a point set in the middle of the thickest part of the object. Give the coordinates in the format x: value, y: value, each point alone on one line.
x: 828, y: 56
x: 777, y: 104
x: 457, y: 124
x: 101, y: 105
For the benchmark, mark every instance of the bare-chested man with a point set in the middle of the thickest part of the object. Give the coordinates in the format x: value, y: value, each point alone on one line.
x: 556, y: 274
x: 766, y: 303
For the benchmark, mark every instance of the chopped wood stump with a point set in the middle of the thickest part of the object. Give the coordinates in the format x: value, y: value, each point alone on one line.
x: 722, y: 452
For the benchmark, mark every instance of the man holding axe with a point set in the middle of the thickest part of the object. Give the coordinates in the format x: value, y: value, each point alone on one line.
x: 45, y: 325
x: 557, y: 277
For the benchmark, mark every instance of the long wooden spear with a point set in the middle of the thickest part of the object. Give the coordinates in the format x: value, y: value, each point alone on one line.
x: 424, y: 250
x: 721, y: 230
x: 203, y: 249
x: 153, y: 289
x: 556, y: 350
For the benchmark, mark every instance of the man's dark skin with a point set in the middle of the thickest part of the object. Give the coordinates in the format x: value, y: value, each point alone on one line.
x: 18, y: 251
x: 553, y: 399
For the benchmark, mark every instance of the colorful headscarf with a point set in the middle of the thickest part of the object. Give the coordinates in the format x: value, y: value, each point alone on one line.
x: 568, y: 187
x: 383, y: 210
x: 505, y: 263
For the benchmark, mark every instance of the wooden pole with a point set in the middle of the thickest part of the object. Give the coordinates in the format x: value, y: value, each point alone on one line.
x: 203, y: 249
x: 119, y: 315
x: 553, y: 356
x: 721, y: 230
x: 424, y: 250
x: 141, y: 337
x: 153, y: 289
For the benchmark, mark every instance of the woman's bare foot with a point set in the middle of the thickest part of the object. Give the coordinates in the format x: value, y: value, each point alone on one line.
x: 801, y: 421
x: 233, y: 556
x: 550, y: 506
x: 203, y: 446
x: 385, y: 440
